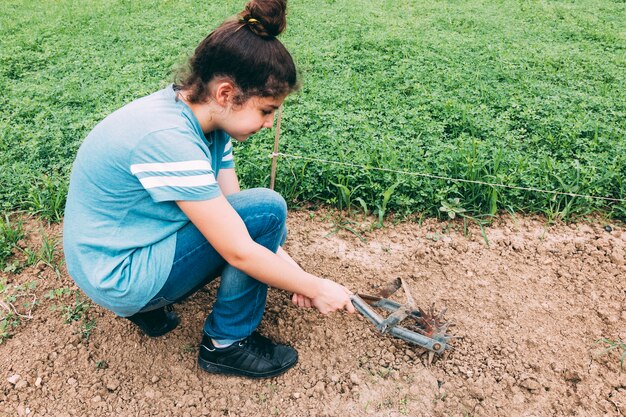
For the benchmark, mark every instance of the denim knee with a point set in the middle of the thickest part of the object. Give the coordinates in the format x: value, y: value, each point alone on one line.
x: 264, y: 213
x: 274, y: 204
x: 273, y: 208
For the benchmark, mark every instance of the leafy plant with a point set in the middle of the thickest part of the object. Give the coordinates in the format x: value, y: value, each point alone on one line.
x: 16, y: 303
x: 452, y: 207
x: 346, y: 196
x: 57, y: 293
x: 87, y: 327
x: 341, y: 223
x: 76, y: 311
x: 519, y: 112
x: 10, y: 234
x: 382, y: 208
x: 47, y: 198
x: 47, y: 254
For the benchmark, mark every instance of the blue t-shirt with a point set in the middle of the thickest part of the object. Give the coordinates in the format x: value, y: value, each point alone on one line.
x: 121, y: 217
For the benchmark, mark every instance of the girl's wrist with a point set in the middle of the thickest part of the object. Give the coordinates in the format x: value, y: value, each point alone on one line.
x: 314, y: 288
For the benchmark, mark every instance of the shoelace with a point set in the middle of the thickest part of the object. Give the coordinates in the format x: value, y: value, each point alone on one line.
x: 258, y: 345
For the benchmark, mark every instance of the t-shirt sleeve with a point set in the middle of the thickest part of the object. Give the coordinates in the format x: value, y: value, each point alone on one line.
x: 173, y: 165
x: 227, y: 157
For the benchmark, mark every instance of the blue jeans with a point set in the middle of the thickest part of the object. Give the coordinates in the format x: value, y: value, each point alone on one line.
x: 240, y: 300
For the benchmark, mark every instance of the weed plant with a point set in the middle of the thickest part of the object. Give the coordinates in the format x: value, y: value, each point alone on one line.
x: 16, y: 304
x: 10, y: 233
x: 76, y: 311
x: 614, y: 345
x: 525, y: 93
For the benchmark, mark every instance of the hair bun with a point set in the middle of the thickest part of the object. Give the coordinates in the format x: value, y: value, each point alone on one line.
x: 266, y: 18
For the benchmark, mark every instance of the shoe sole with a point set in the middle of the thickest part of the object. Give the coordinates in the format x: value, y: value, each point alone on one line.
x: 166, y: 330
x: 172, y: 325
x: 227, y: 370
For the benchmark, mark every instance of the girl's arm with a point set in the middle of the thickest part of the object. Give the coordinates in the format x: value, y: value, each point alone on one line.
x: 298, y: 299
x: 226, y: 232
x: 228, y: 181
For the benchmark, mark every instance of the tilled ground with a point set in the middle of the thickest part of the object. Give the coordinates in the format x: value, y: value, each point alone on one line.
x: 528, y: 309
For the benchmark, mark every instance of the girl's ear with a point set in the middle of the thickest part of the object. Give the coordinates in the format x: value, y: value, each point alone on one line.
x: 224, y: 93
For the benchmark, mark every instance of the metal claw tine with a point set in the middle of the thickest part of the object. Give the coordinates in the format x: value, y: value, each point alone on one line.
x: 390, y: 288
x: 430, y: 331
x: 407, y: 292
x: 431, y: 356
x: 443, y: 329
x: 369, y: 298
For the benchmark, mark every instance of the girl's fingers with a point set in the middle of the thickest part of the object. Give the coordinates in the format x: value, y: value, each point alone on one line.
x: 301, y: 300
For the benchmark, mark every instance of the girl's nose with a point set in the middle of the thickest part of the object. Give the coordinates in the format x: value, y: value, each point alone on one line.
x: 269, y: 121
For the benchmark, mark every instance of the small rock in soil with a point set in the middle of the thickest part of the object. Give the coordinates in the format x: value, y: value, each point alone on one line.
x: 319, y: 387
x: 530, y: 384
x: 14, y: 379
x: 354, y: 378
x: 112, y: 384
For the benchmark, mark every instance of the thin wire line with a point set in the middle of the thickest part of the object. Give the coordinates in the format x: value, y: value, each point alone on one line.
x: 440, y: 177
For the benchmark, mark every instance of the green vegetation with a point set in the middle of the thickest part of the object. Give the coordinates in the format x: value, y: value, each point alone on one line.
x: 47, y: 254
x: 16, y: 304
x: 617, y: 345
x: 76, y: 311
x: 521, y: 92
x: 10, y: 234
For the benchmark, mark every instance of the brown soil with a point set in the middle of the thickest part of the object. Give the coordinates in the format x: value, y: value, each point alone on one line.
x: 528, y: 309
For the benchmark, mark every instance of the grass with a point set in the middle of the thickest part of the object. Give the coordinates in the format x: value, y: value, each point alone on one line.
x: 520, y: 92
x: 614, y: 345
x: 10, y: 234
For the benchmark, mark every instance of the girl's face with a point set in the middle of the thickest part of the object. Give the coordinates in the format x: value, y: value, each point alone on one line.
x: 241, y: 122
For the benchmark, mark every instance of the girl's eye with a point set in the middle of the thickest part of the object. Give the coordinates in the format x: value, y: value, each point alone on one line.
x: 267, y: 112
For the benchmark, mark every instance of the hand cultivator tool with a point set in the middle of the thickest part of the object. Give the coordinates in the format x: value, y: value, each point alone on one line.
x: 431, y: 330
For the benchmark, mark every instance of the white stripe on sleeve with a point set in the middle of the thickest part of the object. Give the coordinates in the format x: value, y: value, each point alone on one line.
x: 188, y: 181
x: 228, y: 157
x: 171, y: 166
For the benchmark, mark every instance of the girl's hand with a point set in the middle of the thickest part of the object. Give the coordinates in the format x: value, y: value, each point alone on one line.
x: 301, y: 300
x: 332, y: 297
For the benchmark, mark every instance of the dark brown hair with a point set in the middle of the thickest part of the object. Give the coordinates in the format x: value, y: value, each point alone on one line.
x: 245, y: 50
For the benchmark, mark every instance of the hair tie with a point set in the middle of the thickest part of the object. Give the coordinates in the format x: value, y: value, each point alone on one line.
x: 249, y: 21
x: 255, y: 25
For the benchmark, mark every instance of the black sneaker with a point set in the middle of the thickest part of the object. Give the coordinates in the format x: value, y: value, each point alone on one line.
x: 255, y: 357
x: 157, y: 322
